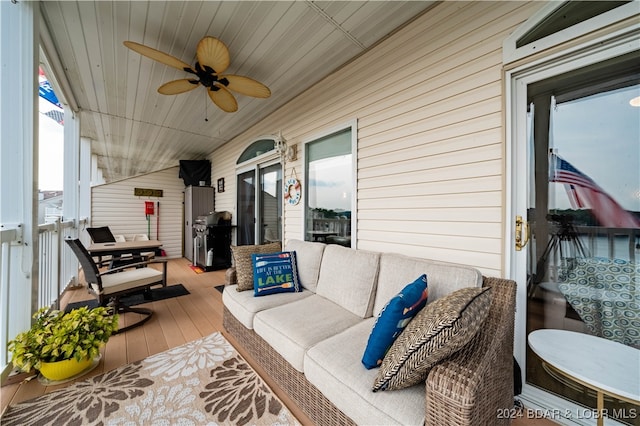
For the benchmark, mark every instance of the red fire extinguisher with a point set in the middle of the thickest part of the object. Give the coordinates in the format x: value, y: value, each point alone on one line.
x: 148, y: 208
x: 148, y: 211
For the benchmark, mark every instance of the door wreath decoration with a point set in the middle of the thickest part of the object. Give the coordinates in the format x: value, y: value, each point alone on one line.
x: 292, y: 190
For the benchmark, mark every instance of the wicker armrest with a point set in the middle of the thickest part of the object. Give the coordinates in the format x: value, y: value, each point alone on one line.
x: 230, y: 276
x: 469, y: 387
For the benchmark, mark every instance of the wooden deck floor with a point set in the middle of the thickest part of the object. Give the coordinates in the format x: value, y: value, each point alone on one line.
x: 175, y: 322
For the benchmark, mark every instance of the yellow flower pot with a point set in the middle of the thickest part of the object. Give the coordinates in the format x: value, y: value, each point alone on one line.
x: 61, y: 370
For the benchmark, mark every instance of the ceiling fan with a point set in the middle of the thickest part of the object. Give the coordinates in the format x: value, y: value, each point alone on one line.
x: 212, y: 60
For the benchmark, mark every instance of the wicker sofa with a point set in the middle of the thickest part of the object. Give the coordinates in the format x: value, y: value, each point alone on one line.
x: 312, y: 349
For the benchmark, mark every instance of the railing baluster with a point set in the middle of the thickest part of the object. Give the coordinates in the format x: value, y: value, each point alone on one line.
x: 6, y: 237
x: 596, y: 234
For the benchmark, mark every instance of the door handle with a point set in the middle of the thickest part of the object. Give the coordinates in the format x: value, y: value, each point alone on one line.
x: 522, y: 227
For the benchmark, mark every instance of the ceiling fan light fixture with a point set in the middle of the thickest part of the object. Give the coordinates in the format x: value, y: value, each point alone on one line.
x: 212, y: 59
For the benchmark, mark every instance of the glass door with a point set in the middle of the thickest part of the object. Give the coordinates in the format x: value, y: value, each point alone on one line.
x: 260, y: 204
x: 270, y: 202
x: 246, y: 208
x: 584, y: 216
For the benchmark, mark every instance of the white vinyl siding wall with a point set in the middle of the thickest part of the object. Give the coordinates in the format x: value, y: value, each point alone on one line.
x: 114, y: 205
x: 428, y: 102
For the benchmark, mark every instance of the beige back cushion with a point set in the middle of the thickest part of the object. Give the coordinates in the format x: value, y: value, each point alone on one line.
x: 308, y: 258
x: 396, y: 271
x: 348, y: 278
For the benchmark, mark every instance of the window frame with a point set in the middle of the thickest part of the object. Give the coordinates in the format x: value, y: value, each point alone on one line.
x: 351, y: 125
x: 264, y: 157
x: 588, y: 28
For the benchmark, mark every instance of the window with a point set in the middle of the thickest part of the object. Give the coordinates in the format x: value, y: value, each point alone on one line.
x: 566, y: 15
x: 256, y: 149
x: 330, y: 178
x: 558, y: 22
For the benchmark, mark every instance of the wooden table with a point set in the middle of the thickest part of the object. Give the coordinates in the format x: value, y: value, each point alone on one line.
x: 118, y: 249
x: 603, y: 365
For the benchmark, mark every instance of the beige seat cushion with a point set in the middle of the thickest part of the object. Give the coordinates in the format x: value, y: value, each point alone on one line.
x: 244, y: 305
x: 333, y: 366
x: 293, y: 328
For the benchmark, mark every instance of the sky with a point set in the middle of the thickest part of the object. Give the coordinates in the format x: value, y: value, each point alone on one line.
x: 51, y: 138
x: 51, y: 151
x: 600, y: 136
x: 330, y: 183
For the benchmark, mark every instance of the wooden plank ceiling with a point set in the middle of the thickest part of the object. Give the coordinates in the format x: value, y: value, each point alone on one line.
x: 287, y: 45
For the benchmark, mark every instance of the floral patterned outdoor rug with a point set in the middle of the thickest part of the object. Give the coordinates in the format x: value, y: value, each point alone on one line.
x: 204, y: 382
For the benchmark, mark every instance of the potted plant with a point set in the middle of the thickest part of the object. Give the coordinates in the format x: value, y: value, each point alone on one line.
x: 61, y: 344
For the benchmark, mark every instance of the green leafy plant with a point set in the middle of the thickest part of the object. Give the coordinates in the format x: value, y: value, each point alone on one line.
x: 57, y: 336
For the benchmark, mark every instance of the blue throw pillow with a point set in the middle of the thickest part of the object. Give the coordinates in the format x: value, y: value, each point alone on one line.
x: 393, y: 318
x: 275, y: 273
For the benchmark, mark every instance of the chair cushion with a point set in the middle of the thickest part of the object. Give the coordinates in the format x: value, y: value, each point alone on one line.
x: 244, y: 263
x: 129, y: 279
x: 275, y: 273
x: 393, y: 318
x: 440, y: 329
x: 244, y: 306
x: 348, y: 278
x: 309, y: 257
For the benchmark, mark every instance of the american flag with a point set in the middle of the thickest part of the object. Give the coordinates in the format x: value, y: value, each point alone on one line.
x: 583, y: 193
x: 53, y: 108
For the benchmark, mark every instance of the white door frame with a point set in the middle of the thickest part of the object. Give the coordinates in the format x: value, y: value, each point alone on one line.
x: 516, y: 83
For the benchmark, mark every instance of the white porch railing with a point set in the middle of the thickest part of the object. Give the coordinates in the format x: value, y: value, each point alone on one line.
x: 615, y: 243
x: 51, y: 256
x: 8, y: 235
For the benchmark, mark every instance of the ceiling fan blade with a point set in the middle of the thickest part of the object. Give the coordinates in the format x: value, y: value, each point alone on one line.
x: 178, y: 86
x: 157, y: 55
x: 213, y: 53
x: 247, y: 86
x: 223, y: 99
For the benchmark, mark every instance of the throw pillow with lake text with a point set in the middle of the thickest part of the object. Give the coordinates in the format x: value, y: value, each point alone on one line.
x: 275, y: 273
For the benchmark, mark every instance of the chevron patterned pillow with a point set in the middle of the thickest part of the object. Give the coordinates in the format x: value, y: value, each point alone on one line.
x: 440, y: 329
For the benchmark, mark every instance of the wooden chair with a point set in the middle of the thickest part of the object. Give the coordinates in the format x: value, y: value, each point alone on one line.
x: 108, y: 287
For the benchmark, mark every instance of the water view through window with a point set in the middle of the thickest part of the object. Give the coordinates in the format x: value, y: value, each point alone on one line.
x: 329, y: 177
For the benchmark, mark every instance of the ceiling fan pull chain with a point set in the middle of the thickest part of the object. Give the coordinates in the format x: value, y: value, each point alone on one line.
x: 206, y: 109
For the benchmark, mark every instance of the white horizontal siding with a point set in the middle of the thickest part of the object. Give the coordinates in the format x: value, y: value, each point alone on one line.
x: 428, y: 102
x: 115, y: 206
